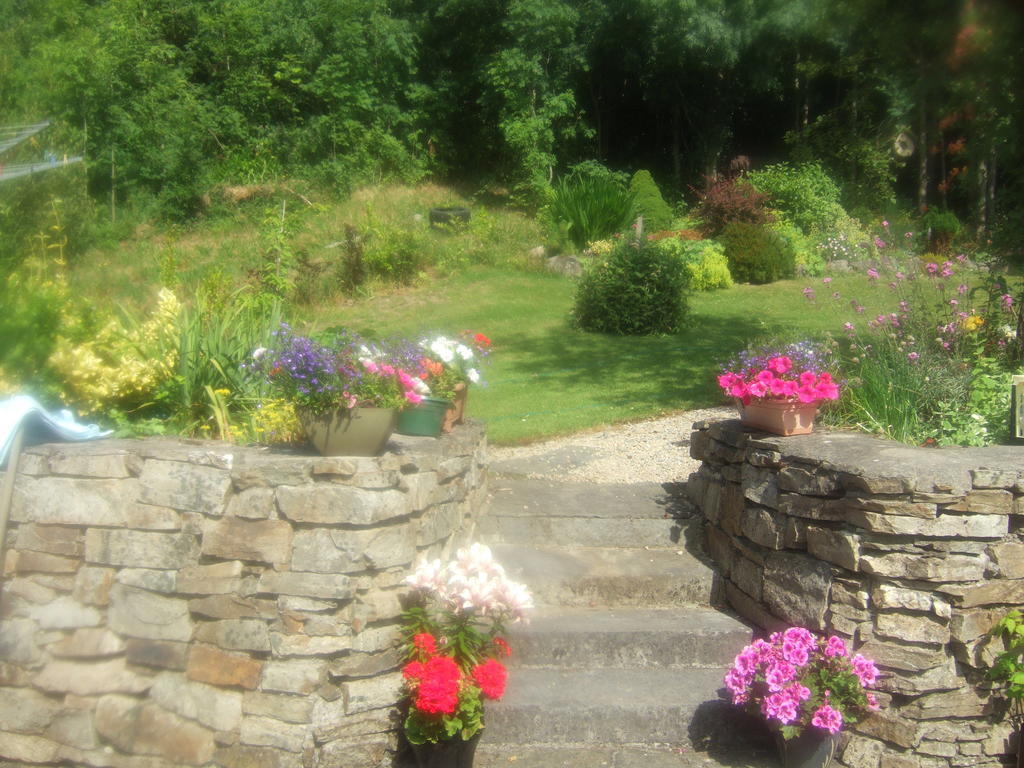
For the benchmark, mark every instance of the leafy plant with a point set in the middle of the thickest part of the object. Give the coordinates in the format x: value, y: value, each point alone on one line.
x: 638, y: 289
x: 940, y: 228
x: 649, y: 202
x: 730, y: 200
x: 707, y: 268
x: 587, y: 208
x: 1007, y: 670
x: 804, y: 194
x: 757, y: 254
x: 453, y: 643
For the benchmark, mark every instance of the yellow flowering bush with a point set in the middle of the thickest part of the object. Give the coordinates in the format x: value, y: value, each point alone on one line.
x: 120, y: 365
x: 274, y: 421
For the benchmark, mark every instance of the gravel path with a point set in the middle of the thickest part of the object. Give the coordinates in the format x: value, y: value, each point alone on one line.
x: 655, y: 451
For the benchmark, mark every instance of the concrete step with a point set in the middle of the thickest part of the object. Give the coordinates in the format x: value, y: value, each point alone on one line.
x: 632, y: 756
x: 616, y: 707
x: 540, y: 512
x: 611, y: 576
x: 628, y: 637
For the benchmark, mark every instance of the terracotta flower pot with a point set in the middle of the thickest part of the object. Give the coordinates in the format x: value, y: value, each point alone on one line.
x: 780, y: 417
x: 344, y: 432
x: 458, y: 408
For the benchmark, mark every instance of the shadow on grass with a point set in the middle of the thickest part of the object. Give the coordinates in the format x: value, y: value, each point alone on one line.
x: 669, y: 372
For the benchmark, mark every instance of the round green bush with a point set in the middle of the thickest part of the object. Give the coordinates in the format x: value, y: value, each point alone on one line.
x: 707, y: 268
x: 756, y: 254
x: 803, y: 194
x: 636, y: 290
x: 649, y: 202
x: 808, y: 258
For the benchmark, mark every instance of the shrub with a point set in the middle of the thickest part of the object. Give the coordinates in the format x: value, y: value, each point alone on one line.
x: 638, y: 289
x: 940, y: 227
x: 395, y: 255
x: 706, y: 267
x: 649, y: 202
x: 730, y: 200
x: 756, y: 254
x: 588, y: 208
x: 803, y: 194
x: 806, y: 254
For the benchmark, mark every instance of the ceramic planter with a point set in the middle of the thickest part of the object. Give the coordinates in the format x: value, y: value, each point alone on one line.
x: 780, y: 417
x: 343, y: 432
x: 425, y: 419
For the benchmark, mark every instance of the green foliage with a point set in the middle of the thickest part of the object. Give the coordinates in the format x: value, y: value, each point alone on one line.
x: 649, y: 202
x: 756, y: 253
x: 804, y: 195
x: 1007, y: 670
x: 638, y: 289
x: 707, y: 268
x: 588, y: 208
x: 981, y: 415
x: 395, y: 255
x: 940, y: 227
x: 807, y: 256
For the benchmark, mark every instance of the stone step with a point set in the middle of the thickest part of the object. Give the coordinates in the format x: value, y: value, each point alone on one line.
x: 627, y: 637
x: 619, y: 756
x: 616, y: 707
x: 611, y: 576
x: 587, y: 515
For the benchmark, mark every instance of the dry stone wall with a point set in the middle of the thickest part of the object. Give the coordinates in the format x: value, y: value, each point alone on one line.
x: 911, y: 553
x: 172, y: 603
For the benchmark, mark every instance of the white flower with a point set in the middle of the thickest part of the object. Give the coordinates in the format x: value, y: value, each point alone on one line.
x: 259, y: 352
x: 474, y: 375
x: 464, y: 352
x: 443, y: 348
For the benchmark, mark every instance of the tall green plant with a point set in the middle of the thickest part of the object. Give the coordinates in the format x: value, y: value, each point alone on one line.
x: 214, y: 351
x: 589, y: 208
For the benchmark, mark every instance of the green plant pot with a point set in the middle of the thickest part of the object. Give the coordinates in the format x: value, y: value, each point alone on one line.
x: 344, y: 432
x: 425, y: 419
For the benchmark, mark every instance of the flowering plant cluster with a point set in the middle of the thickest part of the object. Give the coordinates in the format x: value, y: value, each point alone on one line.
x: 341, y: 373
x: 455, y: 645
x: 793, y: 373
x: 444, y: 363
x: 797, y: 680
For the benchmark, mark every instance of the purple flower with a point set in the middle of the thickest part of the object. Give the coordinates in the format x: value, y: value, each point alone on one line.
x: 1006, y: 300
x: 872, y: 274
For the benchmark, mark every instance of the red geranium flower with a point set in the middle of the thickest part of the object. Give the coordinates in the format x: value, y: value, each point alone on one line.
x: 438, y: 691
x: 491, y: 677
x: 502, y: 645
x: 482, y: 340
x: 425, y: 642
x: 413, y: 670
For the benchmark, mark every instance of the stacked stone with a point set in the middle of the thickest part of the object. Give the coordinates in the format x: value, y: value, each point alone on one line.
x: 913, y: 554
x: 171, y: 603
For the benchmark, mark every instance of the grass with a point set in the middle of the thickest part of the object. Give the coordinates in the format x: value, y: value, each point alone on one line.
x: 545, y: 377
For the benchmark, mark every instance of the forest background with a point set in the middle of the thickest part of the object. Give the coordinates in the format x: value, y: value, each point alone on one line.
x: 167, y: 99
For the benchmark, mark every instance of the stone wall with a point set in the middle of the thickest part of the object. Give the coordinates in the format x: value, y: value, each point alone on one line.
x: 912, y: 553
x: 174, y: 603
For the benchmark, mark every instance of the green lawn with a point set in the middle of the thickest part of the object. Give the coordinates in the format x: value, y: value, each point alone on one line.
x: 547, y: 378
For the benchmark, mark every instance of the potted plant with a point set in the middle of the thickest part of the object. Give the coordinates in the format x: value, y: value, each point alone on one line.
x: 807, y: 688
x: 1007, y: 671
x: 448, y: 366
x: 779, y: 390
x: 455, y: 649
x: 346, y: 394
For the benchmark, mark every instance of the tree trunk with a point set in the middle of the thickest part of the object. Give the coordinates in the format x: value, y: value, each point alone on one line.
x: 922, y: 157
